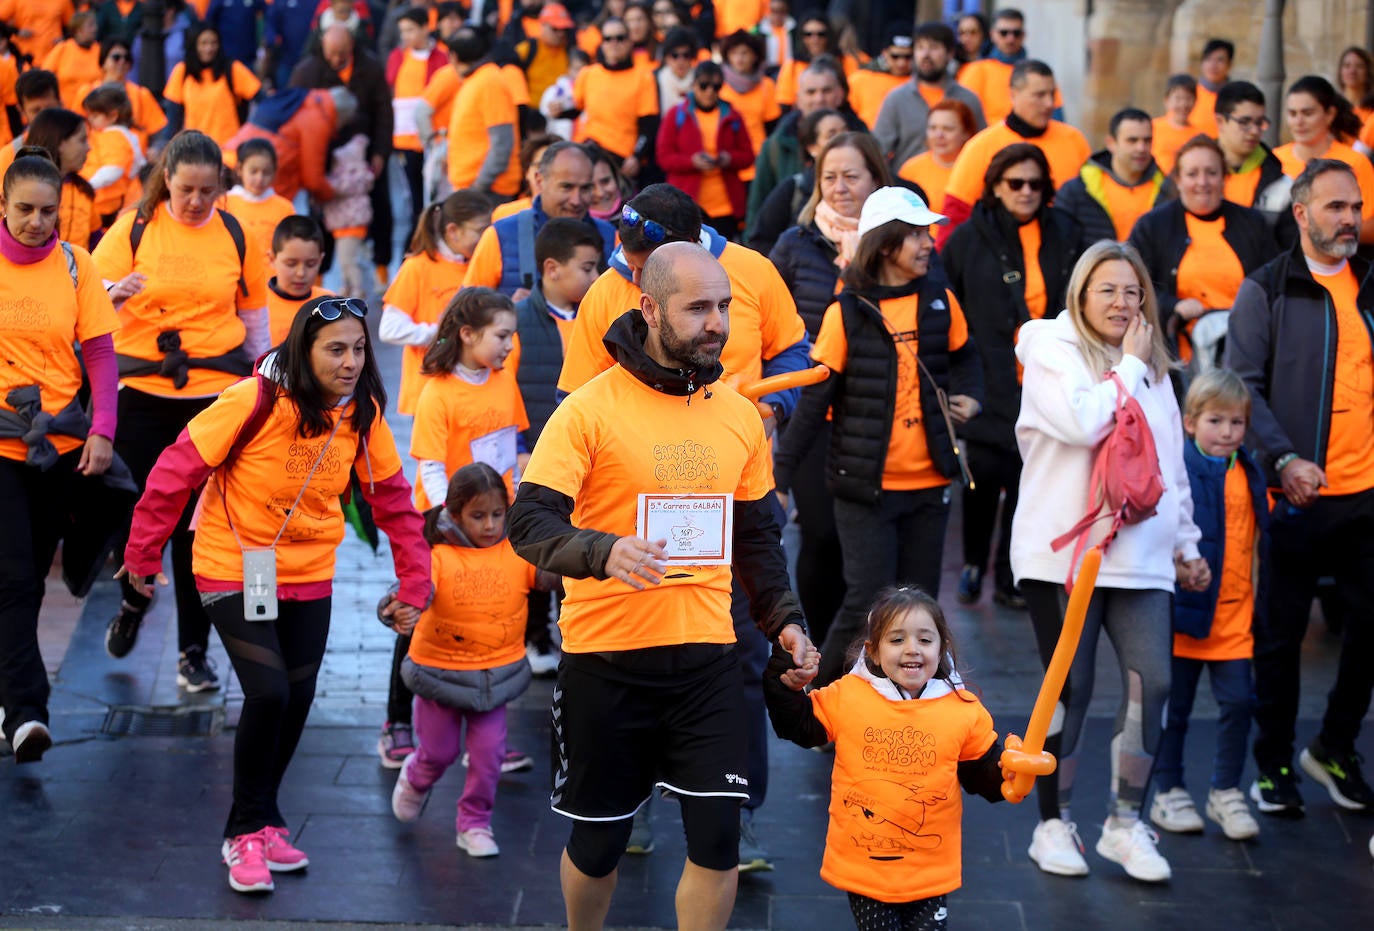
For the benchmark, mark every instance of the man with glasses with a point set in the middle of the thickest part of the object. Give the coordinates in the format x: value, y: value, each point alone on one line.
x: 990, y: 77
x: 870, y: 85
x: 1254, y: 175
x: 901, y: 124
x: 1118, y: 185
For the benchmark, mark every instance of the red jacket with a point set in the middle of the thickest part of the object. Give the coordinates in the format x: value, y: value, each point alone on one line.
x: 679, y: 138
x: 302, y: 145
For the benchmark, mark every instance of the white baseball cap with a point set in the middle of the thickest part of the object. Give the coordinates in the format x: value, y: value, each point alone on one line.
x: 896, y: 203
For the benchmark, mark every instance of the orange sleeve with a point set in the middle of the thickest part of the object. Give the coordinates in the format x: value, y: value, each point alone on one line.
x: 832, y: 346
x: 379, y: 460
x: 647, y: 101
x: 113, y: 256
x: 404, y: 292
x: 173, y: 90
x: 53, y: 60
x: 780, y: 324
x: 429, y: 432
x: 772, y: 109
x: 958, y: 323
x: 966, y: 177
x: 1364, y: 174
x: 485, y: 267
x: 244, y: 83
x: 517, y: 85
x: 586, y: 356
x: 564, y: 454
x: 95, y: 315
x: 214, y: 429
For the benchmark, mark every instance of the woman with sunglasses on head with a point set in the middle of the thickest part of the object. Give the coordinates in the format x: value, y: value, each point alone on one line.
x: 1198, y: 250
x: 274, y: 453
x: 1009, y: 264
x: 703, y: 146
x: 192, y: 300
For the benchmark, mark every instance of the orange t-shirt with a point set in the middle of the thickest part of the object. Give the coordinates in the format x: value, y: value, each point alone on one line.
x: 1036, y: 297
x: 76, y: 217
x: 281, y: 310
x: 9, y: 75
x: 1231, y: 636
x: 1350, y: 446
x: 193, y: 287
x: 408, y: 89
x: 41, y: 317
x: 1126, y: 204
x: 149, y: 120
x: 1242, y: 186
x: 212, y: 104
x: 510, y: 208
x: 1065, y: 149
x: 1209, y: 270
x: 618, y: 438
x: 733, y: 15
x: 990, y: 79
x: 933, y: 177
x: 756, y: 108
x: 118, y: 147
x: 612, y: 103
x: 477, y: 618
x: 932, y: 94
x: 439, y: 94
x: 908, y: 465
x: 896, y: 807
x: 868, y: 90
x: 266, y: 478
x: 259, y: 218
x: 1204, y: 115
x: 1168, y: 139
x: 483, y: 101
x: 1364, y: 171
x: 457, y: 422
x: 516, y: 83
x: 45, y: 19
x: 713, y: 198
x: 763, y: 320
x: 75, y: 67
x: 422, y: 289
x: 485, y: 268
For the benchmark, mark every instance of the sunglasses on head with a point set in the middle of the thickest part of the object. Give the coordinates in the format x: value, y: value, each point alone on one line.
x: 654, y: 231
x: 333, y: 308
x: 1016, y: 184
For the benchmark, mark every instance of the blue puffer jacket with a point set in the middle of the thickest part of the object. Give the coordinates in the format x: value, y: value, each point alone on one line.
x: 1193, y: 611
x: 806, y: 261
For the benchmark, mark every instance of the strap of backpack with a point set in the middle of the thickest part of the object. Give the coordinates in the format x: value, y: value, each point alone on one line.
x: 257, y: 419
x: 70, y: 256
x: 524, y: 243
x: 231, y: 223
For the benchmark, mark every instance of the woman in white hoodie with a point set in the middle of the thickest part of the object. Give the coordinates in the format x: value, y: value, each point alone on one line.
x: 1067, y: 410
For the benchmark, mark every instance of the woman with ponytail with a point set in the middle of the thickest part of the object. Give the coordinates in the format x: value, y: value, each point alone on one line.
x: 1323, y: 125
x: 445, y: 237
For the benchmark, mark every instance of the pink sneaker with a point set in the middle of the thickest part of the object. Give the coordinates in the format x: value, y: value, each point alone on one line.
x: 406, y: 800
x: 282, y: 856
x: 245, y: 856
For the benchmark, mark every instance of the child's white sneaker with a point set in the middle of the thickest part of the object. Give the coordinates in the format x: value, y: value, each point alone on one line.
x: 1056, y: 848
x: 1175, y: 812
x: 406, y: 800
x: 478, y: 842
x: 1133, y: 846
x: 1227, y: 808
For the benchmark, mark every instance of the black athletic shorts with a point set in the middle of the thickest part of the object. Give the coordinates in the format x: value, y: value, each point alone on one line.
x: 625, y: 722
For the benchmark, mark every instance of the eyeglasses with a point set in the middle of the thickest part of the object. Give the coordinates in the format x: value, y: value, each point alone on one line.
x: 116, y: 56
x: 1010, y: 33
x: 815, y: 33
x: 898, y: 56
x: 655, y: 232
x: 709, y: 86
x: 1035, y: 184
x: 681, y: 54
x: 333, y: 308
x: 1131, y: 295
x: 621, y: 37
x: 1247, y: 123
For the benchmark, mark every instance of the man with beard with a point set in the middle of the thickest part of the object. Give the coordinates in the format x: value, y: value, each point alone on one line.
x: 649, y: 690
x: 1299, y: 338
x: 901, y: 125
x: 1118, y: 185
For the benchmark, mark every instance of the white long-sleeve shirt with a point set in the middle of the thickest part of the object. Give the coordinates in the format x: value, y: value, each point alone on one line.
x: 1066, y: 411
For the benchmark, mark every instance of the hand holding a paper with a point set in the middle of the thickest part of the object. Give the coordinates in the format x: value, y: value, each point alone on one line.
x: 637, y: 562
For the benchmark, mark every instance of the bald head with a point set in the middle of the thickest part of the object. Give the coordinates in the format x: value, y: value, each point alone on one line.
x: 686, y: 303
x: 336, y: 45
x: 661, y: 278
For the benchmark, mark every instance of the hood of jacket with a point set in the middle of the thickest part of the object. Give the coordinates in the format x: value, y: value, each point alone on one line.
x: 625, y: 342
x: 935, y: 688
x: 1058, y: 328
x: 710, y: 240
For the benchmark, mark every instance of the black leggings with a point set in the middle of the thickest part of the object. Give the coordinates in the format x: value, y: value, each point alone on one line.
x: 399, y: 698
x: 921, y: 915
x: 710, y: 823
x: 277, y: 663
x: 148, y: 424
x: 996, y: 471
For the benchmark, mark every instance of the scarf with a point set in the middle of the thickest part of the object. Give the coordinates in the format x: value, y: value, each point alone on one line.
x: 739, y: 82
x: 672, y: 90
x: 841, y: 230
x: 1024, y: 129
x: 610, y: 216
x: 15, y: 251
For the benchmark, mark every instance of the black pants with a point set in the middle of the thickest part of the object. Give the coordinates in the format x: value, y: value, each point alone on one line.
x: 995, y: 471
x: 1335, y: 537
x: 380, y: 229
x: 399, y: 698
x: 277, y: 663
x: 921, y: 915
x: 148, y: 424
x: 414, y: 165
x: 33, y: 501
x: 820, y: 560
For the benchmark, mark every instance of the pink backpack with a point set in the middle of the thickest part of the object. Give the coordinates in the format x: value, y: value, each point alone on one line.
x: 1126, y: 480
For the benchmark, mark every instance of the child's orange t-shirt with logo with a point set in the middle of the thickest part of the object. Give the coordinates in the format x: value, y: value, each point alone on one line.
x: 1231, y: 636
x: 41, y: 316
x: 1350, y: 447
x: 617, y: 438
x: 896, y: 806
x: 421, y: 290
x: 193, y: 287
x: 455, y: 421
x: 477, y: 618
x: 259, y: 489
x: 908, y: 465
x: 281, y: 309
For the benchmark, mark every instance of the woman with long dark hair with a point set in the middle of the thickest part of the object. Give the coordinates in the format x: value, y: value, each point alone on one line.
x: 63, y: 134
x: 209, y: 86
x: 274, y: 454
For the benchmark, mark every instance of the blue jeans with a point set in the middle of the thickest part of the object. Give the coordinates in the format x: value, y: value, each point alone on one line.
x: 1233, y: 686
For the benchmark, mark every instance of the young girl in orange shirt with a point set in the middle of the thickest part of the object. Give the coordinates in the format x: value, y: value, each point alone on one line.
x: 253, y: 201
x: 467, y: 653
x: 116, y: 155
x: 470, y: 410
x: 444, y: 240
x: 908, y: 738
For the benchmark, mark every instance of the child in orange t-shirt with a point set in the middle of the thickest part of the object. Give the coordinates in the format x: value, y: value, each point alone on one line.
x: 445, y: 237
x: 908, y: 737
x: 1213, y: 629
x: 467, y: 653
x: 116, y: 156
x: 252, y: 201
x: 296, y: 253
x: 470, y: 409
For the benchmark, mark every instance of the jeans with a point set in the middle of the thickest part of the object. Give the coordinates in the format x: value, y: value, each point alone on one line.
x: 1233, y: 687
x: 1334, y: 536
x: 439, y: 741
x: 277, y: 663
x: 995, y: 471
x: 898, y: 541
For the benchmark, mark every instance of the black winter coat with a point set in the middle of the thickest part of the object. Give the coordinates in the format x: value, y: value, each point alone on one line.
x: 806, y: 261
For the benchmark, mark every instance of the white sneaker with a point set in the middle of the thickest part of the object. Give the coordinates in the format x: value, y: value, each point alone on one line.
x: 407, y: 801
x: 1133, y: 847
x: 1174, y: 811
x: 478, y: 842
x: 543, y: 664
x: 1227, y: 808
x: 31, y: 740
x: 1056, y: 848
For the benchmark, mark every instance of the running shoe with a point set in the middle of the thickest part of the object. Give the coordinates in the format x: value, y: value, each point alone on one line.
x: 752, y: 856
x: 282, y: 856
x: 1276, y: 793
x: 1340, y: 774
x: 406, y: 800
x: 478, y: 842
x: 31, y: 740
x: 122, y: 632
x: 245, y: 855
x: 1056, y: 848
x: 1133, y: 846
x: 396, y: 743
x: 641, y: 833
x: 196, y: 671
x: 970, y: 585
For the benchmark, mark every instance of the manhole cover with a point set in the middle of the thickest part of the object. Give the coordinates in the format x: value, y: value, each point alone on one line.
x: 162, y: 722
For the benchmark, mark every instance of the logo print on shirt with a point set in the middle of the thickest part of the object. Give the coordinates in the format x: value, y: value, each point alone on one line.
x: 888, y: 818
x: 685, y: 466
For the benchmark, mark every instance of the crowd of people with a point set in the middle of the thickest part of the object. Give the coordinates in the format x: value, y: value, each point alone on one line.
x: 619, y: 219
